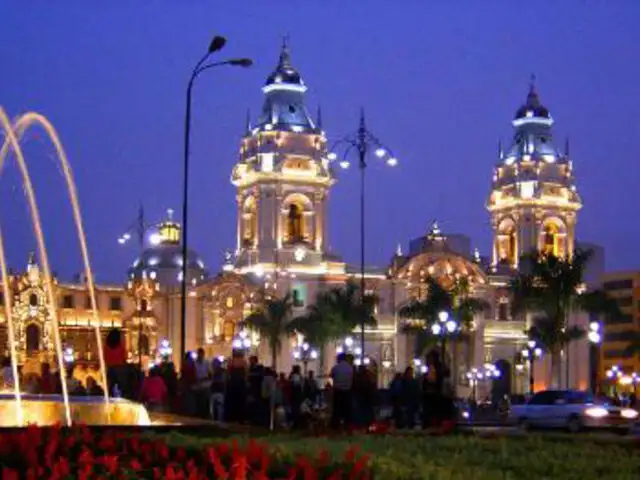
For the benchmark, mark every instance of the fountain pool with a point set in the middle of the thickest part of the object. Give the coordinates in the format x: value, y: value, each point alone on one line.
x: 43, y: 410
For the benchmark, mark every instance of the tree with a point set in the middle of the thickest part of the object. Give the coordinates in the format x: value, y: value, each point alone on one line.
x: 273, y: 322
x: 456, y: 301
x: 336, y: 313
x: 553, y: 288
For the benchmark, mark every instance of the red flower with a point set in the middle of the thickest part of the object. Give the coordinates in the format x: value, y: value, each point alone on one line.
x: 350, y: 454
x: 9, y: 474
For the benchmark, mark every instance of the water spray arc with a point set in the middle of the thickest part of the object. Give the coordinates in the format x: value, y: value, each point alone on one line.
x: 12, y: 141
x: 23, y: 123
x: 12, y: 344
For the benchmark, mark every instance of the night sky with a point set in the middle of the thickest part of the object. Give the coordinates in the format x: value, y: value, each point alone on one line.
x: 440, y: 82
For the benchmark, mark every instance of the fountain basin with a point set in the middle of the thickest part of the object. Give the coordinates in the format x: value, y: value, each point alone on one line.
x: 45, y: 410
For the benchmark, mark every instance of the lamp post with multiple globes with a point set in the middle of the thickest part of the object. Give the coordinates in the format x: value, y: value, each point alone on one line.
x: 242, y: 342
x: 361, y: 142
x: 476, y: 375
x: 530, y: 353
x: 217, y: 43
x: 446, y: 326
x: 614, y: 374
x: 305, y: 354
x: 595, y: 340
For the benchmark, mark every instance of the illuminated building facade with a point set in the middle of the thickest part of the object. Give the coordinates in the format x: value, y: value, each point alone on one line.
x: 283, y: 179
x: 624, y: 287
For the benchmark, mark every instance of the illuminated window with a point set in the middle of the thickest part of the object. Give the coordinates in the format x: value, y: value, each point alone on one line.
x: 229, y: 302
x: 67, y: 301
x: 115, y: 303
x: 552, y: 240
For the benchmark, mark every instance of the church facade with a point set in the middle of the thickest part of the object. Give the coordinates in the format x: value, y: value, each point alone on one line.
x: 283, y: 178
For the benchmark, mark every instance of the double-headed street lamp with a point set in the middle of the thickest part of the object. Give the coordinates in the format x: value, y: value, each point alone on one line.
x: 305, y: 354
x: 530, y: 354
x: 217, y: 43
x: 242, y: 342
x: 361, y: 142
x: 475, y: 375
x: 595, y: 339
x: 614, y: 374
x: 446, y: 326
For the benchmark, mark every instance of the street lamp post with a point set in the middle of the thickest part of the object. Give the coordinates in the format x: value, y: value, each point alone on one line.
x: 362, y: 141
x: 475, y: 375
x: 217, y: 43
x: 614, y: 374
x: 531, y: 353
x: 242, y: 342
x: 595, y: 339
x: 444, y: 327
x: 305, y: 354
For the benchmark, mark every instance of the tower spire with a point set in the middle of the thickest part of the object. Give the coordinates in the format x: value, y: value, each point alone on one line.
x: 566, y: 146
x: 319, y: 118
x: 500, y: 151
x: 285, y: 54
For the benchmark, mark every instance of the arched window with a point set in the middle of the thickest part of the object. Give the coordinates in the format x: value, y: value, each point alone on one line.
x: 551, y: 241
x: 144, y: 305
x: 249, y: 222
x: 33, y: 300
x: 294, y: 223
x: 507, y: 244
x: 33, y: 338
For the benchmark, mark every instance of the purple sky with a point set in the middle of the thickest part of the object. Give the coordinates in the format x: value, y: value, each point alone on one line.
x: 440, y: 82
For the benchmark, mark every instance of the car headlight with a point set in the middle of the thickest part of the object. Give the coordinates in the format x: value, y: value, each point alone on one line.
x: 596, y: 412
x: 629, y: 413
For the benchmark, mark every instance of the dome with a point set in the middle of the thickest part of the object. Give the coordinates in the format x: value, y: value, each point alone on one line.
x: 164, y: 263
x: 284, y: 72
x: 532, y: 107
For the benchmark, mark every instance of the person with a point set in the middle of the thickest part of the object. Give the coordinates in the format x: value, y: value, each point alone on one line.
x: 432, y: 390
x: 236, y: 392
x: 93, y: 389
x: 154, y: 393
x: 202, y: 386
x: 7, y: 373
x: 395, y: 394
x: 269, y: 394
x: 297, y: 395
x: 115, y: 359
x: 74, y: 386
x: 47, y: 381
x: 255, y: 377
x: 364, y: 390
x: 342, y: 377
x: 186, y: 383
x: 218, y: 381
x: 311, y: 390
x: 410, y: 396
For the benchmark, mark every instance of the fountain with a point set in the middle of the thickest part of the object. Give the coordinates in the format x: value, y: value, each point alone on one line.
x: 47, y: 409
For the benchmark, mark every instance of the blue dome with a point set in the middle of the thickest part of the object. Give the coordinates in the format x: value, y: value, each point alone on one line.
x: 164, y: 264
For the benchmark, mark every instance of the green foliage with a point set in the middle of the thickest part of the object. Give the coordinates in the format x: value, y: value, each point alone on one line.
x: 552, y: 288
x: 424, y: 313
x: 273, y: 322
x: 545, y: 456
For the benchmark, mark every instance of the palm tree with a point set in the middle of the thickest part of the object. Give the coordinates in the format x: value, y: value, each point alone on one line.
x: 424, y: 313
x: 336, y: 313
x: 552, y: 288
x: 273, y: 322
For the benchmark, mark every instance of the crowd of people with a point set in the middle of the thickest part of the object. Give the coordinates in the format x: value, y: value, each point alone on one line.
x: 242, y: 390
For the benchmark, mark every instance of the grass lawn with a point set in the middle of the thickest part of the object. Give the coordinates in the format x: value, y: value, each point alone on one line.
x: 468, y: 457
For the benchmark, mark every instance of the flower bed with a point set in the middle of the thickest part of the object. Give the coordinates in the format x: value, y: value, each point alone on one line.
x: 60, y: 453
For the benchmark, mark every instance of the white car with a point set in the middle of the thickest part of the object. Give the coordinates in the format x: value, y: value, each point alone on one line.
x: 572, y: 410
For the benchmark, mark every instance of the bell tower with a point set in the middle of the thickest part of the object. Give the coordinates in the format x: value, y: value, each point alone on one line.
x: 533, y: 201
x: 282, y: 178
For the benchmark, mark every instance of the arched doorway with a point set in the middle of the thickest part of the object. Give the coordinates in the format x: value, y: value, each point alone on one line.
x: 33, y: 338
x: 501, y: 386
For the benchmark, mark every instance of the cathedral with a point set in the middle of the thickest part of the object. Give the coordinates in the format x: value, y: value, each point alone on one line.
x: 283, y: 178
